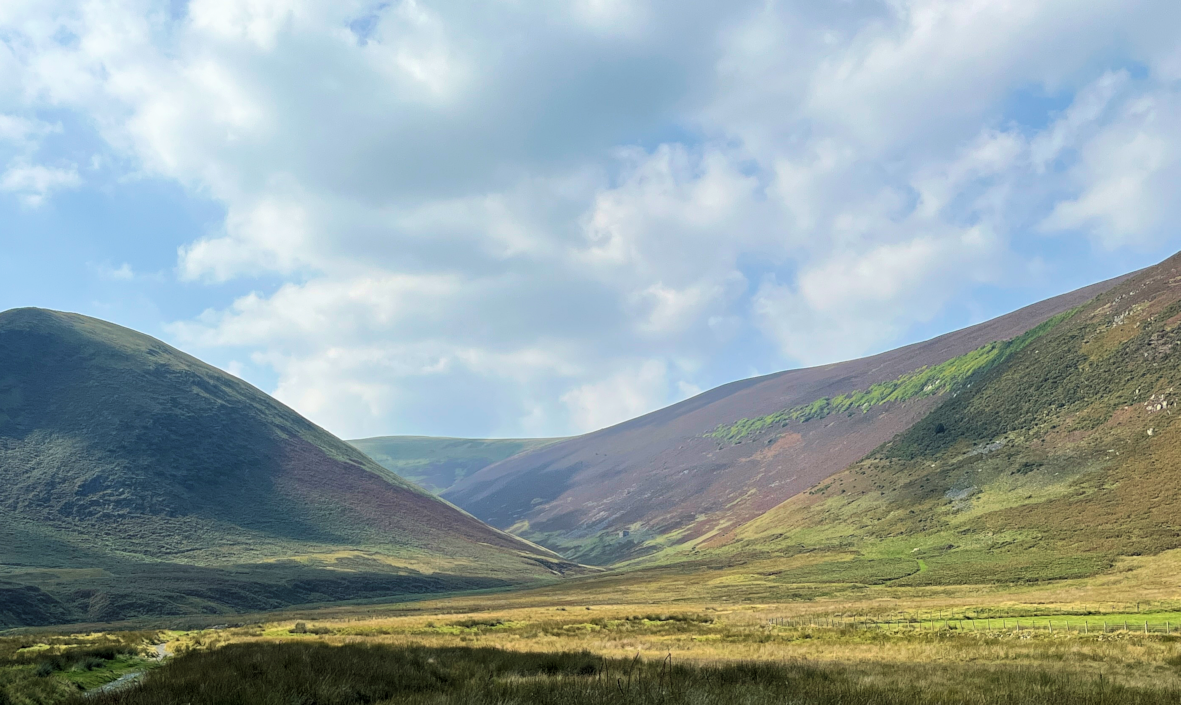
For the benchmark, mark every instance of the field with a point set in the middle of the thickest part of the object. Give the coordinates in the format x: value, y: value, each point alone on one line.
x: 667, y: 634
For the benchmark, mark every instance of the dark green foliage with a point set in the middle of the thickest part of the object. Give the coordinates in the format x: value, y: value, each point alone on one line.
x: 29, y: 605
x: 864, y: 572
x: 968, y: 567
x: 280, y: 674
x: 87, y: 658
x: 1043, y: 386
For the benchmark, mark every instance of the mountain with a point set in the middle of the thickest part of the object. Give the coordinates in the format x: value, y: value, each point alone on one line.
x: 1061, y: 462
x: 696, y: 471
x: 435, y: 464
x: 137, y: 480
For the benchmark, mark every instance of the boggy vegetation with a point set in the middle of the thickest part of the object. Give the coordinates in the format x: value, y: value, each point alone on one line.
x: 46, y: 669
x: 282, y: 673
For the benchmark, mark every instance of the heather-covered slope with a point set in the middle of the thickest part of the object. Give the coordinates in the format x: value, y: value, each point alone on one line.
x: 1053, y: 464
x: 135, y: 479
x: 435, y: 464
x: 701, y: 468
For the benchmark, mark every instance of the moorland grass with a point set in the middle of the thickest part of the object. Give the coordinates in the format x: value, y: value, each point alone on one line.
x: 49, y: 669
x: 282, y: 673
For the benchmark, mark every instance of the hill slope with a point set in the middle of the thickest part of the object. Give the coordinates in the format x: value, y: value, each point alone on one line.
x: 135, y: 479
x: 700, y: 468
x: 435, y: 464
x: 1054, y: 464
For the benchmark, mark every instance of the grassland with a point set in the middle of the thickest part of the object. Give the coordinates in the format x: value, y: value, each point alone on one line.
x: 755, y: 631
x: 750, y: 632
x: 528, y: 648
x: 355, y: 673
x: 44, y: 669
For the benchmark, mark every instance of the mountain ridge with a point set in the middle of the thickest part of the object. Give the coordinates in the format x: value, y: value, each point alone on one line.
x: 1061, y: 463
x: 592, y: 497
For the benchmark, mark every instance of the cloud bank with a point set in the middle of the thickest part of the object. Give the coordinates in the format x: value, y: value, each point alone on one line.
x: 530, y: 218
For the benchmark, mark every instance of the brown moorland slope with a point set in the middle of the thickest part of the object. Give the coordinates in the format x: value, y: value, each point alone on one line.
x: 1060, y: 463
x: 664, y: 478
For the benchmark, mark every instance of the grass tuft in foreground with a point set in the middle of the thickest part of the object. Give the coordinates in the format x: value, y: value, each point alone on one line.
x: 282, y: 673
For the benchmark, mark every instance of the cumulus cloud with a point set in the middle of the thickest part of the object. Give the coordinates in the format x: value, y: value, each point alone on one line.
x: 1126, y: 175
x: 842, y: 307
x: 33, y: 183
x: 624, y: 395
x: 539, y: 217
x: 109, y: 272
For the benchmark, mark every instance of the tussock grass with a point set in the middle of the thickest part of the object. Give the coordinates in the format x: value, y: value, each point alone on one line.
x: 280, y: 674
x: 48, y: 669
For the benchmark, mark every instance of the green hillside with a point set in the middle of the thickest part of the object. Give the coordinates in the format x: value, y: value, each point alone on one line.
x: 438, y: 463
x: 137, y: 480
x: 945, y: 377
x: 1052, y: 463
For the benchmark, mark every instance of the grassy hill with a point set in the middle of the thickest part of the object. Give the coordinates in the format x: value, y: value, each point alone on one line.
x: 137, y: 480
x: 695, y: 471
x: 436, y: 464
x: 1055, y: 463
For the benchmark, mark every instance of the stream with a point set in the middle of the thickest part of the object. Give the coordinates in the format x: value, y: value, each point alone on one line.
x: 128, y: 679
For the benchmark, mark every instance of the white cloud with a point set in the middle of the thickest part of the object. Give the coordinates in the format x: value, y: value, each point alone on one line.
x: 23, y: 132
x: 844, y: 307
x: 34, y: 183
x: 538, y: 217
x: 1127, y: 175
x: 624, y: 395
x: 122, y: 273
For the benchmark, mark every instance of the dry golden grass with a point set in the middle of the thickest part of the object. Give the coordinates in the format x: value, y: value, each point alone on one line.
x: 686, y: 618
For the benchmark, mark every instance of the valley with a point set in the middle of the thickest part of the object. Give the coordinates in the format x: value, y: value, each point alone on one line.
x: 972, y: 516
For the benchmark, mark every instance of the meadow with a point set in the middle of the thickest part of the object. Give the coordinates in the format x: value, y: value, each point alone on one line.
x: 658, y: 635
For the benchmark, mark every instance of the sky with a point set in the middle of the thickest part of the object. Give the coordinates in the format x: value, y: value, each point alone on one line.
x: 537, y: 218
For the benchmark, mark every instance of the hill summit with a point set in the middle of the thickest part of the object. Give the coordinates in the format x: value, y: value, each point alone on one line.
x: 137, y: 480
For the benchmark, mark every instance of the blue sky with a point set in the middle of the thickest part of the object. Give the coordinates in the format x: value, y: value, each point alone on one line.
x: 540, y: 218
